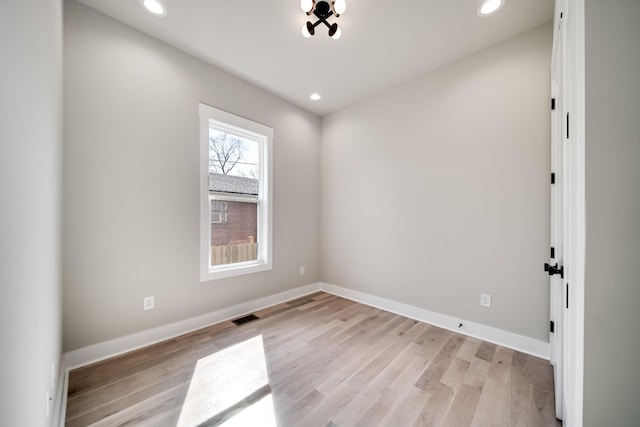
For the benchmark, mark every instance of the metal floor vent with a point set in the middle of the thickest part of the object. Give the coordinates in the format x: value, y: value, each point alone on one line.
x: 246, y: 319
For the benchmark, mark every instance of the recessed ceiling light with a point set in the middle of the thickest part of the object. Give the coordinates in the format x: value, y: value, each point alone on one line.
x: 487, y: 7
x: 155, y: 7
x: 315, y: 97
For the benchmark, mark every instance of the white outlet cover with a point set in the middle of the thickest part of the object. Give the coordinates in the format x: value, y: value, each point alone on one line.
x: 149, y: 303
x: 485, y: 300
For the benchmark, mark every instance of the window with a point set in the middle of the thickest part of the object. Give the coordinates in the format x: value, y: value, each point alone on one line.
x: 219, y: 212
x: 235, y: 187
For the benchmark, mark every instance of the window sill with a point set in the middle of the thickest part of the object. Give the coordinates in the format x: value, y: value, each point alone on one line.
x: 233, y: 270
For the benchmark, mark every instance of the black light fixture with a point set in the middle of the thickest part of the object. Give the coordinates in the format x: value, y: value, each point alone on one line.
x: 322, y: 10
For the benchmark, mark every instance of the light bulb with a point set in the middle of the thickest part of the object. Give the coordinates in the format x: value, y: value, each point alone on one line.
x: 306, y: 5
x: 339, y: 6
x: 337, y: 34
x: 305, y: 33
x: 154, y: 7
x: 489, y: 6
x: 315, y: 97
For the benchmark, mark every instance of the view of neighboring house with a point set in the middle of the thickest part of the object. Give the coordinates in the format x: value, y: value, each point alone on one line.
x: 232, y: 222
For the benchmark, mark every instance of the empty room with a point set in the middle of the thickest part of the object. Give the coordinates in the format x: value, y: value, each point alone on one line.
x: 320, y: 213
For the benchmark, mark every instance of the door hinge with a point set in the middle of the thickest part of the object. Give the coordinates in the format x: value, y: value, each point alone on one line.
x: 552, y: 326
x: 567, y: 301
x: 553, y: 178
x: 567, y: 125
x: 553, y: 252
x: 554, y: 269
x: 553, y: 103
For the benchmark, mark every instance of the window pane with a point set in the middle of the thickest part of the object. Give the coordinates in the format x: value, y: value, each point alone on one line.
x: 233, y: 172
x: 235, y: 240
x: 232, y: 155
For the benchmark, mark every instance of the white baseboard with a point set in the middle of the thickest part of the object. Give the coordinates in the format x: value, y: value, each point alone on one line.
x: 486, y: 333
x: 104, y: 350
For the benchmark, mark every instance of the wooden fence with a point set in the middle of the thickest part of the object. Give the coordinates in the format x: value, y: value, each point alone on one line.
x: 227, y: 254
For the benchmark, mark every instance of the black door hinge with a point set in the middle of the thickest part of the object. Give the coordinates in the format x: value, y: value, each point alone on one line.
x: 553, y: 178
x: 552, y: 326
x: 554, y: 269
x: 567, y: 301
x: 553, y: 103
x: 553, y: 253
x: 567, y: 125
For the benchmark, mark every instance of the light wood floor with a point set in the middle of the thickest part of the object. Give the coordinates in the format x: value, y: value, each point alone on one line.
x: 317, y: 361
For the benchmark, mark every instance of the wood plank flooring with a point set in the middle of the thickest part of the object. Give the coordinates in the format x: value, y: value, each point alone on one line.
x: 322, y: 361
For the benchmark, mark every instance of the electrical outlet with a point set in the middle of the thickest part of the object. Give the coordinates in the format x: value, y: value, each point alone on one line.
x: 149, y: 303
x: 302, y: 270
x: 485, y: 300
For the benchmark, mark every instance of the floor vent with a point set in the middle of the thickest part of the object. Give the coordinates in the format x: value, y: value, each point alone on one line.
x: 245, y: 319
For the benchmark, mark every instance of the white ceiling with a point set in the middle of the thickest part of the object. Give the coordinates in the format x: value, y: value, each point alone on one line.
x: 384, y: 42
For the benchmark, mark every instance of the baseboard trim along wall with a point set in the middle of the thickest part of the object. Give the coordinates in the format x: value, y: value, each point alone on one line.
x: 104, y: 350
x: 97, y: 352
x: 486, y: 333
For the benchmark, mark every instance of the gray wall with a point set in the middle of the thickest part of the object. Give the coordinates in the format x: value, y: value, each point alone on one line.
x: 612, y: 293
x: 438, y: 190
x: 30, y: 147
x: 132, y: 189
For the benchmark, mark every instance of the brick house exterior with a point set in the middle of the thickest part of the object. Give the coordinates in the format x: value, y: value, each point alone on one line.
x: 233, y: 222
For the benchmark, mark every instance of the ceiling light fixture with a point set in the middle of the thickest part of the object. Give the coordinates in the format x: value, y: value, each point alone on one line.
x: 155, y: 7
x: 322, y: 10
x: 487, y: 7
x: 315, y: 97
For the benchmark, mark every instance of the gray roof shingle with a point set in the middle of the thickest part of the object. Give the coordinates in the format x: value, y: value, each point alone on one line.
x: 221, y: 183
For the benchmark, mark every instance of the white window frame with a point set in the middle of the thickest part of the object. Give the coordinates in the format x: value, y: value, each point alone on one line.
x: 263, y: 135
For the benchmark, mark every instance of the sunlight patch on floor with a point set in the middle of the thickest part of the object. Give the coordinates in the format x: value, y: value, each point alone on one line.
x: 260, y: 414
x: 230, y: 386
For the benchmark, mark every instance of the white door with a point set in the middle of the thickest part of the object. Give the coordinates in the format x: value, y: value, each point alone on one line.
x: 555, y: 266
x: 568, y: 222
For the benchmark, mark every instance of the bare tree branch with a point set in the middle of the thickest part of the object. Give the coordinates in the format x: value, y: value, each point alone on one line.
x: 225, y: 151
